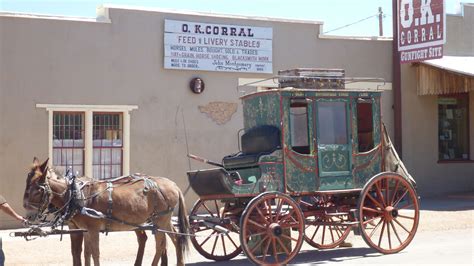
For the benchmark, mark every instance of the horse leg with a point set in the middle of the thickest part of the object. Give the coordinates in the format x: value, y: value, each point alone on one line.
x: 176, y: 243
x: 164, y: 257
x: 141, y: 238
x: 87, y: 249
x: 76, y: 247
x: 160, y: 245
x: 91, y: 247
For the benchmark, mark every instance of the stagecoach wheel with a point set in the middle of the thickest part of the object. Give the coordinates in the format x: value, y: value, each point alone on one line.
x: 272, y: 229
x: 209, y: 242
x: 389, y: 213
x: 324, y: 232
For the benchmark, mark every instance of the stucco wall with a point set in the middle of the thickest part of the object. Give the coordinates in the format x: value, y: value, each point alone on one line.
x: 420, y: 121
x: 59, y: 61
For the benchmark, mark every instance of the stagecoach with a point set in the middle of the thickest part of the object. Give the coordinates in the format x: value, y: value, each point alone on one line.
x: 314, y: 163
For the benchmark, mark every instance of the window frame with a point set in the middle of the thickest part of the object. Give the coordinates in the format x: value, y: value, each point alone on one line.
x: 466, y: 97
x: 89, y: 110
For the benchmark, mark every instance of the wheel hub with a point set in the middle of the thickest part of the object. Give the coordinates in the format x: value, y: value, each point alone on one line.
x: 390, y: 213
x: 276, y: 229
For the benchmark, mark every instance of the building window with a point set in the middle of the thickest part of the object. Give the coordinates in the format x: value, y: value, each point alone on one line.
x: 453, y: 127
x: 107, y: 145
x: 93, y: 140
x: 299, y: 126
x: 68, y: 141
x: 365, y: 125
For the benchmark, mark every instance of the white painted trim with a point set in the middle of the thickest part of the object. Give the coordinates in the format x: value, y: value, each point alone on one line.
x: 50, y: 137
x: 81, y: 107
x: 88, y: 144
x: 126, y: 144
x: 88, y: 124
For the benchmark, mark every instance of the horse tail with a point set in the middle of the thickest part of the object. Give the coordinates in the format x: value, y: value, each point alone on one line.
x: 183, y: 224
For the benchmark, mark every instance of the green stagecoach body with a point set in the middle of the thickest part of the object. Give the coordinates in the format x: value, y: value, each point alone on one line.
x: 306, y: 159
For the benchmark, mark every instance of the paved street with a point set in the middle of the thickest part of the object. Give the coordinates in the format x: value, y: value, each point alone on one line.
x: 445, y: 236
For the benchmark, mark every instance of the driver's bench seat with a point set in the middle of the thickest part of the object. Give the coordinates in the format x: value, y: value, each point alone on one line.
x: 256, y: 142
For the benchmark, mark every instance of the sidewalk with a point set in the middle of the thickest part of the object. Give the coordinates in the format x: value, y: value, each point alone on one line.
x: 450, y: 202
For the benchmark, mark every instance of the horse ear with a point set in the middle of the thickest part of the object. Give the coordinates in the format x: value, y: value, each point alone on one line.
x: 44, y: 165
x: 36, y: 162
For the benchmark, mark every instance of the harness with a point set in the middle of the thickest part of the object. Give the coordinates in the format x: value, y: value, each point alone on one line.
x: 76, y: 202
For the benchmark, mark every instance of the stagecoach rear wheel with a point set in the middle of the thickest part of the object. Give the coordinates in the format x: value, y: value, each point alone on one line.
x: 389, y: 213
x: 209, y: 241
x: 326, y: 231
x: 272, y: 229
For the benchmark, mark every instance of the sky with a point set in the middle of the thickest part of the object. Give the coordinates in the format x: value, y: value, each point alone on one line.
x: 360, y: 15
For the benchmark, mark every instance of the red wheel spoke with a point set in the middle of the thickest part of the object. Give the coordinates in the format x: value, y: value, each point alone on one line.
x: 399, y: 199
x: 232, y: 241
x: 283, y: 246
x: 258, y: 244
x: 218, y: 211
x: 290, y: 225
x: 258, y: 234
x: 267, y: 247
x: 257, y: 224
x: 371, y: 210
x: 394, y: 192
x: 289, y: 237
x: 375, y: 201
x: 370, y: 220
x: 401, y: 225
x: 395, y: 231
x: 379, y: 193
x: 207, y: 209
x: 289, y: 215
x: 280, y: 204
x: 387, y: 193
x: 223, y: 245
x: 408, y: 205
x: 375, y: 228
x: 324, y: 231
x: 332, y: 236
x: 207, y: 238
x: 315, y: 231
x: 215, y: 243
x: 388, y: 234
x: 381, y: 233
x: 263, y: 216
x: 275, y: 254
x: 406, y: 217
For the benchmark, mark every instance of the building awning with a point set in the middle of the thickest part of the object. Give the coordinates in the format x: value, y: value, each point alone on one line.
x: 447, y: 75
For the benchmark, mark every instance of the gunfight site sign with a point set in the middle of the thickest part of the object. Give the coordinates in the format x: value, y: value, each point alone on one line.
x: 421, y: 29
x: 217, y: 47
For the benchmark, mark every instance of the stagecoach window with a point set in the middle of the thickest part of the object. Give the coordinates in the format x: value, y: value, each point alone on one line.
x: 68, y: 141
x: 299, y: 126
x: 107, y: 145
x: 332, y: 123
x: 453, y: 127
x: 365, y: 125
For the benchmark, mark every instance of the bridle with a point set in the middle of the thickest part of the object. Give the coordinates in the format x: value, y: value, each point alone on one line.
x: 44, y: 208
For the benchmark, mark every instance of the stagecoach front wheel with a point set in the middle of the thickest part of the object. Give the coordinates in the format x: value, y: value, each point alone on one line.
x: 272, y: 229
x: 389, y: 213
x: 207, y: 221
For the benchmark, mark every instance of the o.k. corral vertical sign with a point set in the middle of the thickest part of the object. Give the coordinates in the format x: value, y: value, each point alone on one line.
x: 421, y: 29
x: 217, y: 47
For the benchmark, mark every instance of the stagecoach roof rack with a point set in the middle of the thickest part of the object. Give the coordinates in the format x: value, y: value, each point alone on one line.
x: 308, y: 79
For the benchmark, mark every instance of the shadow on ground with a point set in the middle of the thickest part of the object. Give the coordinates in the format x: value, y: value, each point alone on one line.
x: 314, y: 257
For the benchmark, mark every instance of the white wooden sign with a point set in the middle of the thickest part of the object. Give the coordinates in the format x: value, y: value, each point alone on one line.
x: 217, y: 47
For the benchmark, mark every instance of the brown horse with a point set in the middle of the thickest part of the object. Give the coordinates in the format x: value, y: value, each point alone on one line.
x: 128, y: 202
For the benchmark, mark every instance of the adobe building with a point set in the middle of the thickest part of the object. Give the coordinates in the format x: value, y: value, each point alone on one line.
x: 118, y: 94
x: 438, y: 112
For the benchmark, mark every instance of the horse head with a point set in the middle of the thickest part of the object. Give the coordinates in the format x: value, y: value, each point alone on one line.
x: 38, y: 193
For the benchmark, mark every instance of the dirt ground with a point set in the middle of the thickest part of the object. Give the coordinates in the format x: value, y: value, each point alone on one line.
x: 445, y: 214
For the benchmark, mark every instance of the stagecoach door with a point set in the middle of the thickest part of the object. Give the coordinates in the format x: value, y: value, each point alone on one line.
x: 333, y: 142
